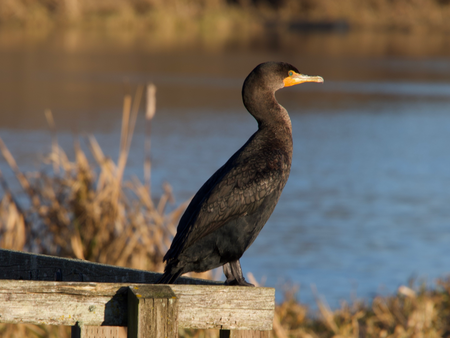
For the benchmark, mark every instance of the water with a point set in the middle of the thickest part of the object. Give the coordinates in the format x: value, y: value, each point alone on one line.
x: 367, y: 203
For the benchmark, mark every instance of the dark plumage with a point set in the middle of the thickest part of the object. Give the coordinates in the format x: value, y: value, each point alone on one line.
x: 230, y: 209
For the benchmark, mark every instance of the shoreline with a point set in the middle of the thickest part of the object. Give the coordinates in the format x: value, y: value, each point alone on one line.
x: 220, y: 17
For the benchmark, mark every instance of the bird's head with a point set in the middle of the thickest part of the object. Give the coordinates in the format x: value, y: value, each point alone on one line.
x: 277, y: 75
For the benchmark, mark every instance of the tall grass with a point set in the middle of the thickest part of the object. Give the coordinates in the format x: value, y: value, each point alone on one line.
x: 411, y: 313
x: 86, y: 210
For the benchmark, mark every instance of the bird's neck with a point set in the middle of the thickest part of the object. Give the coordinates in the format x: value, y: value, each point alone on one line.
x: 265, y: 108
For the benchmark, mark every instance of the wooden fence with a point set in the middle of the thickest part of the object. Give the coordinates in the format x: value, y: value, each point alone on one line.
x: 100, y: 300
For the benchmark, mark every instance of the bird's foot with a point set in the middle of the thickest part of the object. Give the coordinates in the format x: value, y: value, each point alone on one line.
x: 234, y: 275
x: 230, y: 282
x: 235, y: 282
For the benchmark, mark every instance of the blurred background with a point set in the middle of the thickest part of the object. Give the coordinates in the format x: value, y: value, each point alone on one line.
x: 367, y: 205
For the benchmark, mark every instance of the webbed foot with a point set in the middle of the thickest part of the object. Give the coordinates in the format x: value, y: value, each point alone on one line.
x: 233, y: 272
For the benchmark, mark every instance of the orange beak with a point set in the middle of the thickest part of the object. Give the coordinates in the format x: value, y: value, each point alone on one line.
x: 297, y: 78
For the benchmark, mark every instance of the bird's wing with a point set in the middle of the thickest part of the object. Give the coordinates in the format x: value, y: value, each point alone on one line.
x: 235, y: 190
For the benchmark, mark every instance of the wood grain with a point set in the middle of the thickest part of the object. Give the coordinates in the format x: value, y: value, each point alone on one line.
x: 152, y: 312
x: 98, y: 332
x: 244, y: 334
x: 199, y: 306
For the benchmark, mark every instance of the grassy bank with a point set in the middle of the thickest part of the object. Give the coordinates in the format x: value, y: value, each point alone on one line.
x: 85, y: 209
x: 223, y: 17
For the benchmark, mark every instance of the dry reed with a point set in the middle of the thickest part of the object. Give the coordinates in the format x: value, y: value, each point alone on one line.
x: 421, y: 313
x: 86, y: 211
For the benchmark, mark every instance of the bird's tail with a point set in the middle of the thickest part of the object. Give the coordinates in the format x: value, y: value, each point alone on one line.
x: 169, y: 277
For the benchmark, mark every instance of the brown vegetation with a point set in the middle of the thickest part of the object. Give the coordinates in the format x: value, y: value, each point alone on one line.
x: 410, y: 314
x: 88, y: 212
x: 225, y: 16
x: 85, y: 210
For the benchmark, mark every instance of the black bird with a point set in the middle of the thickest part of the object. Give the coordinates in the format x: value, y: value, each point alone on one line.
x: 230, y: 209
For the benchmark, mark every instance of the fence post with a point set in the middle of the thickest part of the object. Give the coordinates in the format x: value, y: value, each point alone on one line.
x: 152, y: 312
x: 89, y: 331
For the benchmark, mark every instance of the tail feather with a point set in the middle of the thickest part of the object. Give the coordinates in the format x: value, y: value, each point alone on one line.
x: 169, y: 277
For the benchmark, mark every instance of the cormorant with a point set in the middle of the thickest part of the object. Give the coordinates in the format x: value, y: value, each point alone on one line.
x: 230, y: 209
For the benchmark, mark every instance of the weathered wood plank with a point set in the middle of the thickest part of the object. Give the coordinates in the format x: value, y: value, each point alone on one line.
x: 66, y: 303
x: 102, y: 332
x: 224, y: 307
x: 16, y: 265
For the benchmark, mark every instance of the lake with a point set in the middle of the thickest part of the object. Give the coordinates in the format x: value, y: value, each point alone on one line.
x: 367, y: 204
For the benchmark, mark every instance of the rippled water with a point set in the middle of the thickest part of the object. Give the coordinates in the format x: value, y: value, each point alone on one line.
x: 367, y: 205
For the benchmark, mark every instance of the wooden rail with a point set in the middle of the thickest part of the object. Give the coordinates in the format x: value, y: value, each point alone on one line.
x: 96, y: 308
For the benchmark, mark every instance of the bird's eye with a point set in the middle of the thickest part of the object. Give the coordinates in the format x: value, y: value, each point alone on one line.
x: 291, y: 73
